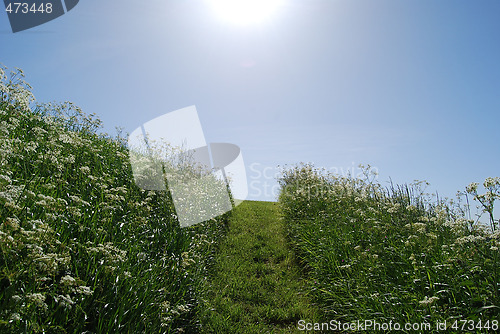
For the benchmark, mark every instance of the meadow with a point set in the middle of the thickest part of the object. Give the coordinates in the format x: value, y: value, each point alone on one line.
x: 394, y: 254
x: 83, y: 249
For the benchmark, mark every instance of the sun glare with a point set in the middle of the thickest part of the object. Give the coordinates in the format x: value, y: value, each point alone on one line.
x: 245, y: 11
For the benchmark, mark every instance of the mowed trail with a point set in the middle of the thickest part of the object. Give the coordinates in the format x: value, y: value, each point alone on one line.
x: 256, y: 286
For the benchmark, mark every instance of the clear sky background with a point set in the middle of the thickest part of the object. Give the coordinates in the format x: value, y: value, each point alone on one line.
x: 410, y: 87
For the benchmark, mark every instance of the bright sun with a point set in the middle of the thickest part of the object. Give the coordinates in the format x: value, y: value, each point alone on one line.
x: 245, y: 11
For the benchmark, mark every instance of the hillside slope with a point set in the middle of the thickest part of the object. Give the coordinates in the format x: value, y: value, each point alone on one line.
x: 82, y: 248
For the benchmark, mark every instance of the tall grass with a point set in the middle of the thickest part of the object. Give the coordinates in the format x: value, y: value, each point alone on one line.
x: 82, y: 248
x: 390, y: 254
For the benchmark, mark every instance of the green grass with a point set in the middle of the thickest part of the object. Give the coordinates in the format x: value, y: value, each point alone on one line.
x: 256, y: 285
x: 82, y: 248
x: 391, y: 254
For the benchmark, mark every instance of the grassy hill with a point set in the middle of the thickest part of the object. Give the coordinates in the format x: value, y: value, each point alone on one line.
x: 393, y: 255
x: 83, y: 249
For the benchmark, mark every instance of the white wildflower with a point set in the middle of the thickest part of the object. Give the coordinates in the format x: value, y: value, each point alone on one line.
x: 419, y: 227
x: 110, y: 252
x: 472, y: 188
x: 428, y: 301
x: 468, y: 239
x: 85, y: 170
x: 412, y: 258
x: 491, y: 182
x: 65, y: 138
x: 64, y: 301
x: 424, y: 219
x: 38, y: 299
x: 431, y: 236
x: 411, y: 208
x: 13, y: 222
x: 165, y: 305
x: 5, y: 179
x: 84, y: 290
x: 182, y: 308
x: 68, y: 280
x: 16, y: 298
x: 186, y: 260
x: 39, y: 131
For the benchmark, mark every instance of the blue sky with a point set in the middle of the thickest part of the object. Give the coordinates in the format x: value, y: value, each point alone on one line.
x: 410, y: 87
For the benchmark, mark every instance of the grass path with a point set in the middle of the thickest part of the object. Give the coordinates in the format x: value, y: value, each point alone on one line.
x: 256, y: 286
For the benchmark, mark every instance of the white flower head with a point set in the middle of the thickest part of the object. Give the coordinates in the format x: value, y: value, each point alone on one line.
x: 84, y: 290
x: 68, y: 280
x: 472, y: 188
x: 15, y: 317
x: 428, y: 301
x: 65, y: 301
